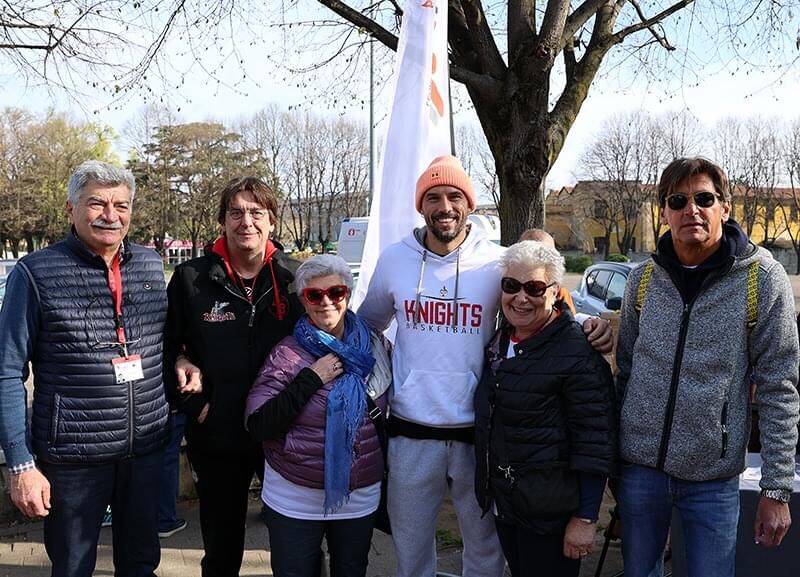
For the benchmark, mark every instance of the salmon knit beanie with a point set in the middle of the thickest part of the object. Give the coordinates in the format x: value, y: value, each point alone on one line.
x: 445, y: 171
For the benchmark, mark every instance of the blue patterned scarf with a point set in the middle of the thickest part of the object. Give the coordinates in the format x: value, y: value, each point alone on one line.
x: 346, y: 402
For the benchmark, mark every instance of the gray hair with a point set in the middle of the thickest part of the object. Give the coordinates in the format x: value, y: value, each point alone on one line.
x: 533, y: 254
x: 322, y: 265
x: 100, y: 172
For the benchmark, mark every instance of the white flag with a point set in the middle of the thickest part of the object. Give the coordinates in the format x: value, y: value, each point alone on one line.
x: 419, y: 130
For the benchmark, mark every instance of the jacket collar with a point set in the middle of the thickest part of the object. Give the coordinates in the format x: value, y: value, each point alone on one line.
x: 76, y: 245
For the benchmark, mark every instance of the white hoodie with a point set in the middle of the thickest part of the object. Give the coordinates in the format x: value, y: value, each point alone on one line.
x: 438, y: 352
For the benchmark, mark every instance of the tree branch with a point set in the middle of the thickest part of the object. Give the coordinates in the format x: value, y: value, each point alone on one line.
x: 483, y: 44
x: 548, y: 42
x: 579, y: 18
x: 569, y: 103
x: 521, y: 23
x: 659, y: 36
x: 353, y: 16
x: 649, y: 22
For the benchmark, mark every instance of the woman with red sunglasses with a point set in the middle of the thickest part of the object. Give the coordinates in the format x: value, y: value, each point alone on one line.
x: 311, y: 405
x: 543, y: 422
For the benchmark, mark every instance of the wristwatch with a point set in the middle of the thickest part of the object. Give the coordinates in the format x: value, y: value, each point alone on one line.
x: 781, y: 495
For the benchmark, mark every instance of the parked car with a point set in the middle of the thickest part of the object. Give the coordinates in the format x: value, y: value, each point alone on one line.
x: 602, y: 287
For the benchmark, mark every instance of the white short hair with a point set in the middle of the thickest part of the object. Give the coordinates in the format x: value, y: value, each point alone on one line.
x: 533, y: 254
x: 322, y: 265
x: 102, y: 173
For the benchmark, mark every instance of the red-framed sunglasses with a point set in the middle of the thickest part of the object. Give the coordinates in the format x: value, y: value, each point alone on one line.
x: 335, y: 293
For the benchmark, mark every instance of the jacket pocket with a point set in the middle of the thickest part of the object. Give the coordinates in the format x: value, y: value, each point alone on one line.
x: 55, y: 412
x: 724, y: 428
x: 537, y: 491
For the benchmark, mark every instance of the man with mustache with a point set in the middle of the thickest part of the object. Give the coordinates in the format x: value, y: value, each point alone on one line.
x: 442, y: 286
x: 88, y: 313
x: 708, y: 315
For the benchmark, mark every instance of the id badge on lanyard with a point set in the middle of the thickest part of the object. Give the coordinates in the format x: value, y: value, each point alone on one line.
x: 127, y: 368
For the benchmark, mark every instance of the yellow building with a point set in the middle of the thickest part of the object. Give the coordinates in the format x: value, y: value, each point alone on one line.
x: 586, y: 216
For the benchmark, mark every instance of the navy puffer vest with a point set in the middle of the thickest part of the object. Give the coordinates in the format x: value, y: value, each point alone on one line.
x: 80, y: 413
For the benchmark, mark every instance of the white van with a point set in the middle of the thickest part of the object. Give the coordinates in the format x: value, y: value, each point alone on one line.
x: 353, y: 235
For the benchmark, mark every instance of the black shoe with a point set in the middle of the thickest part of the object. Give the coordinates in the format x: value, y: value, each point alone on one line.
x: 176, y: 527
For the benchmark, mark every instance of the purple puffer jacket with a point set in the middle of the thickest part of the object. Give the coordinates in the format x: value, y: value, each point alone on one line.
x: 300, y: 456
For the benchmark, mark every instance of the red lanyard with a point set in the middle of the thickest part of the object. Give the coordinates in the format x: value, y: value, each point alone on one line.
x: 115, y: 286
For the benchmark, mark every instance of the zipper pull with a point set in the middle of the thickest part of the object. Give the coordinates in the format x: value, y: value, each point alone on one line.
x: 252, y: 316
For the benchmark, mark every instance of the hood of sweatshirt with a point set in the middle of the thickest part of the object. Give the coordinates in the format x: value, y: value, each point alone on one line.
x: 445, y: 308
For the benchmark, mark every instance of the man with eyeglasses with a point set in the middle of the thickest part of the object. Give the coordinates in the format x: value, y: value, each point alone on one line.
x: 706, y: 315
x: 227, y: 309
x: 88, y: 313
x: 442, y: 286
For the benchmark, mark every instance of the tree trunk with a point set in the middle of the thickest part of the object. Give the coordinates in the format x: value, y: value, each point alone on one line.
x: 522, y: 199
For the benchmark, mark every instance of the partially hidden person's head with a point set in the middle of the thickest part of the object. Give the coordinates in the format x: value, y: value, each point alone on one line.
x: 538, y: 235
x: 531, y: 277
x: 695, y: 201
x: 247, y: 212
x: 445, y: 197
x: 99, y: 204
x: 324, y: 284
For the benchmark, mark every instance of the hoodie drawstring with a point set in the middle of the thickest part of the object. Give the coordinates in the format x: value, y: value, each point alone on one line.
x: 419, y: 287
x: 455, y: 296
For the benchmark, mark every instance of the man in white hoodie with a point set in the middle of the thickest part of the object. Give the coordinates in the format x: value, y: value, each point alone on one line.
x: 442, y: 285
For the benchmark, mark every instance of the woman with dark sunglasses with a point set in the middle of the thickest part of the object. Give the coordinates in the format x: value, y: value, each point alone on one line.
x: 309, y: 405
x: 544, y: 422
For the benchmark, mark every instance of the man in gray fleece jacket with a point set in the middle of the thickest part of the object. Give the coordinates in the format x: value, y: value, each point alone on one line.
x: 692, y: 338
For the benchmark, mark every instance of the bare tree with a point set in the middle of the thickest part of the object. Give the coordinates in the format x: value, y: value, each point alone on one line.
x: 790, y: 207
x: 672, y: 135
x: 747, y: 150
x: 625, y: 157
x: 528, y: 67
x: 473, y: 151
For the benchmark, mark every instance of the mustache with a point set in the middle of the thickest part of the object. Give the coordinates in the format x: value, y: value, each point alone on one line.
x: 100, y: 223
x: 443, y: 214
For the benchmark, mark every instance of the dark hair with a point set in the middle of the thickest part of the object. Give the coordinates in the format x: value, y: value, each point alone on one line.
x: 682, y: 168
x: 255, y: 186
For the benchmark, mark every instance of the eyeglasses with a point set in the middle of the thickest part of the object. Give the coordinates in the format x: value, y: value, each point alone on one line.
x: 702, y: 199
x: 336, y: 293
x: 256, y: 214
x: 533, y: 288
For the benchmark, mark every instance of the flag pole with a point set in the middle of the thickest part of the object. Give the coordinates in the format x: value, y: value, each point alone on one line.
x: 371, y: 121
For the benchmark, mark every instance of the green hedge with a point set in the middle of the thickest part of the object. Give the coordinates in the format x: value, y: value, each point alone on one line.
x: 577, y: 263
x: 616, y: 257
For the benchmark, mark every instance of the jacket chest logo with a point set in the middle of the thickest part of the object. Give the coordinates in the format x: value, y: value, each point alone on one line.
x: 218, y: 314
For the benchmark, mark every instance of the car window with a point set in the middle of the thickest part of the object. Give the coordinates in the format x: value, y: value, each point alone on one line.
x: 598, y: 287
x: 590, y: 280
x: 616, y: 288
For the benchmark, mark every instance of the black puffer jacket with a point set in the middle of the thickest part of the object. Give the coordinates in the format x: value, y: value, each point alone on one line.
x: 211, y: 321
x: 541, y: 416
x: 80, y: 413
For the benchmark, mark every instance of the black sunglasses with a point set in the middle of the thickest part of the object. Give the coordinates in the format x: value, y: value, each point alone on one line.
x: 532, y: 288
x: 702, y: 199
x: 336, y: 293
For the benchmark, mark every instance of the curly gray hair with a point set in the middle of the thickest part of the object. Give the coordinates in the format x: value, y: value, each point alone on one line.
x: 322, y: 265
x: 531, y: 253
x: 100, y: 172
